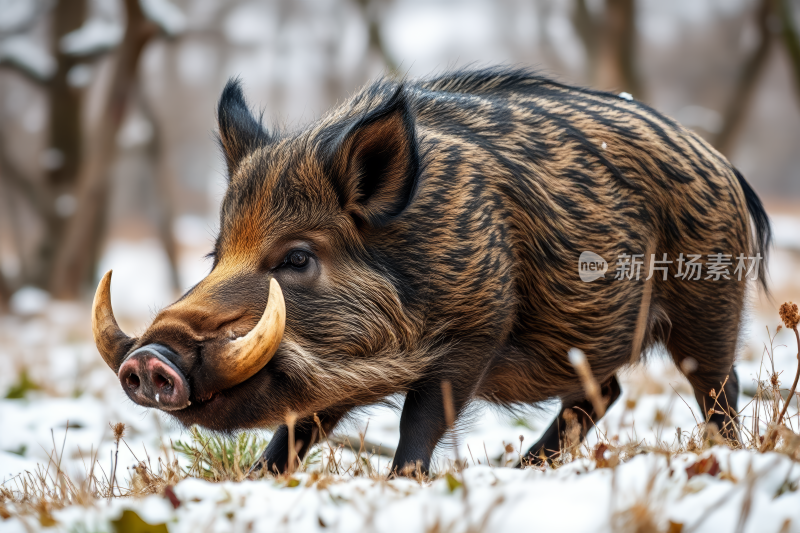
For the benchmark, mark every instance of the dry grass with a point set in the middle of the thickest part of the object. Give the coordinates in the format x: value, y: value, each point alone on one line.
x: 35, y: 495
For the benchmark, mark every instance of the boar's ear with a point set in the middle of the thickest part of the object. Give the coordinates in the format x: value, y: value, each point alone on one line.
x: 239, y: 132
x: 375, y: 162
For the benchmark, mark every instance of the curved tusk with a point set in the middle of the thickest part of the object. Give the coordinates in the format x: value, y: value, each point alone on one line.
x: 111, y: 341
x: 243, y: 357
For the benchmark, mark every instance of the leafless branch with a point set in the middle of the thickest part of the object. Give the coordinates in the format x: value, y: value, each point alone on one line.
x: 5, y: 289
x: 165, y: 191
x: 790, y: 38
x: 5, y: 293
x: 29, y: 74
x: 74, y: 258
x: 748, y: 80
x: 376, y: 42
x: 587, y: 30
x: 26, y: 186
x: 616, y: 46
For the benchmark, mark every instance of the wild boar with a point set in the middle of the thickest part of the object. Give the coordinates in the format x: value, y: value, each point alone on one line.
x: 432, y: 230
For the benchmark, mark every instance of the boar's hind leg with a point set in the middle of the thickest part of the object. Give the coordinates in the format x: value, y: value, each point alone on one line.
x: 550, y: 444
x: 705, y: 318
x: 275, y: 458
x: 717, y: 402
x: 704, y: 350
x: 725, y: 408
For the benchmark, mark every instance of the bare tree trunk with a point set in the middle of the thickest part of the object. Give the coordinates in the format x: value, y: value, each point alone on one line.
x: 65, y: 136
x: 616, y: 65
x: 77, y: 251
x: 790, y: 38
x: 5, y: 289
x: 5, y: 294
x: 14, y: 186
x: 65, y: 101
x: 548, y: 45
x: 587, y: 30
x: 15, y: 226
x: 736, y: 111
x: 26, y: 186
x: 376, y: 43
x: 165, y: 192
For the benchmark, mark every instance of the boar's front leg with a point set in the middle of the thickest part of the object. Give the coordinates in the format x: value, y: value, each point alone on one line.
x: 549, y: 445
x: 422, y: 425
x: 275, y: 457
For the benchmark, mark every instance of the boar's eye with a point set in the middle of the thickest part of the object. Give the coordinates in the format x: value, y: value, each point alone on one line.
x: 297, y: 259
x: 299, y: 267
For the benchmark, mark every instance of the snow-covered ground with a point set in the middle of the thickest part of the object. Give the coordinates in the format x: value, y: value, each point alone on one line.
x: 72, y: 398
x: 758, y: 490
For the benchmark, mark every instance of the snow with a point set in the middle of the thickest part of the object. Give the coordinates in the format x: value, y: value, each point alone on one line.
x: 785, y: 232
x: 17, y: 14
x: 12, y: 463
x: 96, y: 36
x: 251, y: 24
x: 29, y: 301
x: 80, y: 75
x: 579, y: 498
x: 625, y: 96
x: 166, y: 15
x: 26, y: 53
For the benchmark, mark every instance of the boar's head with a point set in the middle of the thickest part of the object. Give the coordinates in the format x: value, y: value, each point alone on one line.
x: 304, y: 307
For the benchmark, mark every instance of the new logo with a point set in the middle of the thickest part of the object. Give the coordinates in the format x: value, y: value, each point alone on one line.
x: 591, y: 266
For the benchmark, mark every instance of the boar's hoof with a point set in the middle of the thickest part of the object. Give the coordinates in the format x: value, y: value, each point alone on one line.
x: 150, y: 379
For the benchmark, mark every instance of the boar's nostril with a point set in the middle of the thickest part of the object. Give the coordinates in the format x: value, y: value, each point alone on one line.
x: 132, y: 381
x: 161, y: 381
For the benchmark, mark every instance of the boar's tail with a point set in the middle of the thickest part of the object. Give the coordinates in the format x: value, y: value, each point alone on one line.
x: 763, y: 232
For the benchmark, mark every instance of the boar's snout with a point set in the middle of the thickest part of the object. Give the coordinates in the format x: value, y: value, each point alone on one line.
x: 149, y: 375
x: 152, y: 380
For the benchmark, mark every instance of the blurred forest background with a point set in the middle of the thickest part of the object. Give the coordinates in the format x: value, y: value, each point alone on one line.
x: 107, y: 153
